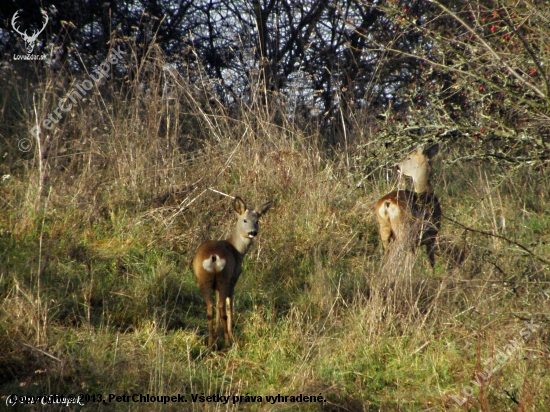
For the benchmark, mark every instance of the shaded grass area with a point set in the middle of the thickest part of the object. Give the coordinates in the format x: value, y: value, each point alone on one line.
x: 97, y: 295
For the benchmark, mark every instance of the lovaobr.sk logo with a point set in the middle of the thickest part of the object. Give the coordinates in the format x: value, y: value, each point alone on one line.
x: 29, y: 40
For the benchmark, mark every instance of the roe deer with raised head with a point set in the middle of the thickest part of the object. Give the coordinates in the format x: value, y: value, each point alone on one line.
x: 413, y: 217
x: 218, y: 265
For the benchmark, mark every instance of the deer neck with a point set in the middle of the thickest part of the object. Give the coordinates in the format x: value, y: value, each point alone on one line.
x: 422, y: 183
x: 241, y: 244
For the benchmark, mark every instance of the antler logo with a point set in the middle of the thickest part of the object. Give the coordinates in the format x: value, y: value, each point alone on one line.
x: 29, y: 40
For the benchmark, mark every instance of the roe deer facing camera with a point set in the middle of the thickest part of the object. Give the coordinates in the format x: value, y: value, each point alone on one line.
x: 412, y: 217
x: 218, y: 265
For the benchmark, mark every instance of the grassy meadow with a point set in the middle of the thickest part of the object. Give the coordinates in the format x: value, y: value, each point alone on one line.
x: 100, y: 218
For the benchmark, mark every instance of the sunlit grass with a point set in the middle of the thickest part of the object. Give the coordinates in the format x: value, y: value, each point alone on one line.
x: 97, y: 294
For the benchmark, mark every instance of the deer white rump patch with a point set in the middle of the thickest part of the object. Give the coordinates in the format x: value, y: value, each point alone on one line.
x: 390, y: 210
x: 213, y: 264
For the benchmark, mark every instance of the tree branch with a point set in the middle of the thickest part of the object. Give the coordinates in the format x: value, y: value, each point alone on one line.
x: 513, y: 242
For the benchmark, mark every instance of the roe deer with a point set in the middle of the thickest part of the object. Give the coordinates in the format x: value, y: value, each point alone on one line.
x: 413, y: 217
x: 218, y: 265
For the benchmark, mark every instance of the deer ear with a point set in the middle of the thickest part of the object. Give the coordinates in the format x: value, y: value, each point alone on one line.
x: 432, y: 150
x: 239, y: 205
x: 264, y: 208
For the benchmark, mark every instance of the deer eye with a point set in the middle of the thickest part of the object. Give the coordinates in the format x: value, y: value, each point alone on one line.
x: 245, y: 221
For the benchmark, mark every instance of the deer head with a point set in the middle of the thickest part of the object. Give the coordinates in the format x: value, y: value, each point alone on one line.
x: 29, y: 40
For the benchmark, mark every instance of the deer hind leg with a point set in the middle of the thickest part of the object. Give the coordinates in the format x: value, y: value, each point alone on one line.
x: 222, y: 310
x: 229, y: 308
x: 229, y: 302
x: 430, y: 250
x: 218, y: 324
x: 209, y: 314
x: 430, y: 241
x: 386, y: 233
x: 206, y: 291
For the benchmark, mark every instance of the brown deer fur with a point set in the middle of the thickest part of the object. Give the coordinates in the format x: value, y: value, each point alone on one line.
x: 412, y: 217
x: 218, y: 265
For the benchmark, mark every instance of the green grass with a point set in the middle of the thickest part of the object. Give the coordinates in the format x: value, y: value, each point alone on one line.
x: 97, y: 295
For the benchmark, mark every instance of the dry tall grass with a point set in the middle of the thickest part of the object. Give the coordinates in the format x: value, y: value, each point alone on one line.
x: 101, y: 218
